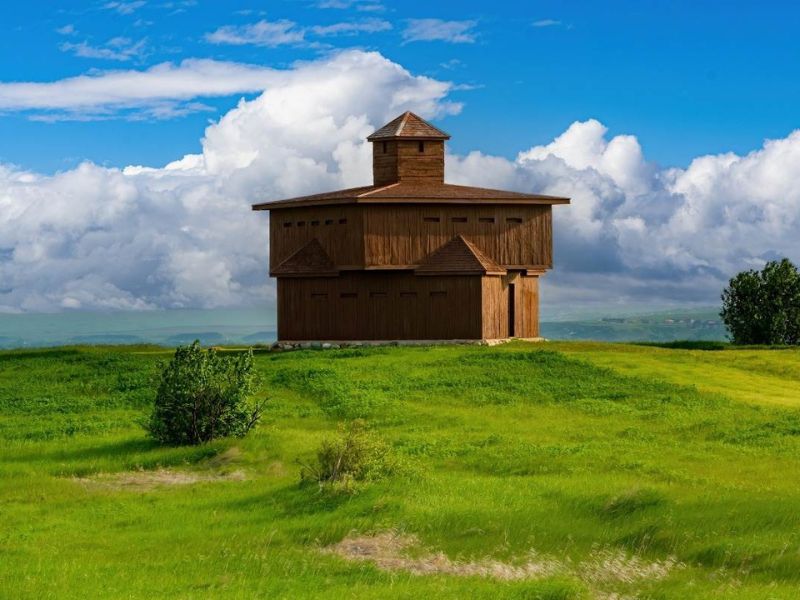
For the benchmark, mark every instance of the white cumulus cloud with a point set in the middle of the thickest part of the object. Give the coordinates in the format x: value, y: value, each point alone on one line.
x: 635, y: 233
x: 183, y: 234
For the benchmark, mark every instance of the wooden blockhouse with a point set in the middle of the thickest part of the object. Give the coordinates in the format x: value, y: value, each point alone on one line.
x: 410, y: 257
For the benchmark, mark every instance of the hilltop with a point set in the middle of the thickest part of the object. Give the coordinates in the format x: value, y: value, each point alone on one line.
x: 558, y: 470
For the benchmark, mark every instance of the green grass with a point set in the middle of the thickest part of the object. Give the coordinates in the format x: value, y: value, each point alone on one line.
x: 565, y: 449
x: 751, y: 374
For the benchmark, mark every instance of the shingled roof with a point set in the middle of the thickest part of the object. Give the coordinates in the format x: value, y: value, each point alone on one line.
x: 311, y: 259
x: 414, y: 193
x: 458, y: 256
x: 408, y: 126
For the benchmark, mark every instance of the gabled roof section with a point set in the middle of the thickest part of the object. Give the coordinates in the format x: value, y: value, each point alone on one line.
x: 414, y: 193
x: 311, y: 259
x: 459, y: 256
x: 408, y: 126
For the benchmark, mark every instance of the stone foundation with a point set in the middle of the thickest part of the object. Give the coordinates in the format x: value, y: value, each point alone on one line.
x: 335, y: 344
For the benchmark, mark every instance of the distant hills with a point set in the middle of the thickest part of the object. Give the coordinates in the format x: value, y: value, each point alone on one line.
x: 667, y: 326
x: 257, y: 326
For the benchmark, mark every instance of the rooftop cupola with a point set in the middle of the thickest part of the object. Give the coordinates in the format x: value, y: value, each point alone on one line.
x: 408, y: 149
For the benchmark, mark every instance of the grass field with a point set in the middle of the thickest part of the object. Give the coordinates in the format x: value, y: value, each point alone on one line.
x: 552, y: 471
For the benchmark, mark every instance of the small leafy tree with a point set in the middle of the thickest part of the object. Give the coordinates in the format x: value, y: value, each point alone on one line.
x: 202, y: 395
x: 763, y: 307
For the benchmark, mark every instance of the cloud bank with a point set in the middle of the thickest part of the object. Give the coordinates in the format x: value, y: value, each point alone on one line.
x: 161, y: 91
x: 183, y: 235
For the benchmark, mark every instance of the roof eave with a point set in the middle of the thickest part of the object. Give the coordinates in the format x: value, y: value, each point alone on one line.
x: 290, y: 203
x: 304, y: 274
x: 408, y: 138
x: 433, y: 200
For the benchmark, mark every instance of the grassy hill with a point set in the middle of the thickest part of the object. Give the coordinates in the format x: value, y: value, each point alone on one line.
x: 558, y: 470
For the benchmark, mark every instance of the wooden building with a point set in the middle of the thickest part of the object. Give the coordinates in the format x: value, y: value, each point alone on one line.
x: 410, y: 257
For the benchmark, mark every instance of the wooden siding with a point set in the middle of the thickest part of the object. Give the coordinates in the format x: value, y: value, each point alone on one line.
x: 495, y: 303
x: 384, y: 164
x: 403, y: 161
x: 343, y: 242
x: 426, y: 167
x: 510, y: 235
x: 527, y: 304
x: 380, y: 306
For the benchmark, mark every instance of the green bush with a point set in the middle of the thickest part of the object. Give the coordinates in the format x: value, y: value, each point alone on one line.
x: 355, y: 456
x: 202, y: 395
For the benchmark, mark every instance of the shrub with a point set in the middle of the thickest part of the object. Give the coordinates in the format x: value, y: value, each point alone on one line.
x: 356, y: 455
x: 763, y: 307
x: 202, y: 395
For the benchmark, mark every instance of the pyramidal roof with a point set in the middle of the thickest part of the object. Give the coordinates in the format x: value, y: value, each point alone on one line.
x: 458, y: 256
x: 311, y: 259
x: 408, y: 126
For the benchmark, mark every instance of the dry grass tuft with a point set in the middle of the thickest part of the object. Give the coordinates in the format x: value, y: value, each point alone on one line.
x: 608, y: 565
x: 389, y: 552
x: 147, y: 480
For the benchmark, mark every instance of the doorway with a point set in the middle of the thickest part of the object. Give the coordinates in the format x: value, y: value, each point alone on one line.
x: 511, y: 311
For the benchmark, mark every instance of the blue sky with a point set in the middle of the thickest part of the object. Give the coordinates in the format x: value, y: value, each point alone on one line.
x: 135, y: 135
x: 688, y: 78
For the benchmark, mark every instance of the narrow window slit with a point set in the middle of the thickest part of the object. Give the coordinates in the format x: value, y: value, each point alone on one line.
x: 486, y: 219
x: 348, y: 295
x: 431, y: 219
x: 513, y: 220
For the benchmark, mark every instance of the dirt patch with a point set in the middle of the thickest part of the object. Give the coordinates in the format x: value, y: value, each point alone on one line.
x: 391, y: 551
x: 146, y: 480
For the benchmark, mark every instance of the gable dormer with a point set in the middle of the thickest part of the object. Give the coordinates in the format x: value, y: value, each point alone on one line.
x: 408, y: 149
